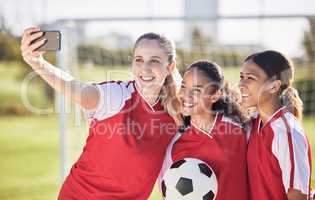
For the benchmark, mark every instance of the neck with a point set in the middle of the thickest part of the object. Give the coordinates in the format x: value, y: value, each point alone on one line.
x: 204, y: 122
x: 267, y: 109
x: 150, y: 95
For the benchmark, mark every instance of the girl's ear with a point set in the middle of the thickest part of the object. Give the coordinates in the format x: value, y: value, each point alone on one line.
x: 171, y: 67
x: 216, y: 96
x: 275, y: 86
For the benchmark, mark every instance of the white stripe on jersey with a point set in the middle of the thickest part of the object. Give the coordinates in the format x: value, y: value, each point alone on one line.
x: 168, y: 161
x: 300, y: 151
x: 113, y: 96
x: 231, y: 121
x: 281, y: 150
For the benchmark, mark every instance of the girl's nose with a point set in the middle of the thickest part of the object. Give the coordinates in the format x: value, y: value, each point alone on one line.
x: 146, y: 66
x: 241, y: 84
x: 184, y: 93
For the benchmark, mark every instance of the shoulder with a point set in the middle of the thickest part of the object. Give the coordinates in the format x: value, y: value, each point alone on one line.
x: 115, y: 93
x: 287, y: 124
x: 288, y: 133
x: 293, y: 124
x: 230, y: 121
x: 228, y: 125
x: 113, y: 98
x: 127, y: 86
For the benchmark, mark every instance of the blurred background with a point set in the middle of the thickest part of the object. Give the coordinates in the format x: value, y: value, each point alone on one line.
x: 42, y: 133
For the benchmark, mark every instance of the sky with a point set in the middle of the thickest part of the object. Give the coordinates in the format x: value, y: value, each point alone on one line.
x: 284, y: 35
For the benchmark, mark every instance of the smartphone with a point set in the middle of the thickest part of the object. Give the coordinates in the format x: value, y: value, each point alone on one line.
x: 53, y: 41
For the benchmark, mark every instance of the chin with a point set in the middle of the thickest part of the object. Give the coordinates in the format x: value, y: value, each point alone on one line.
x: 187, y: 112
x: 152, y: 84
x: 246, y: 103
x: 249, y: 105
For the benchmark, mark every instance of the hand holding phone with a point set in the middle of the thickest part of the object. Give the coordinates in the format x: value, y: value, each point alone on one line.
x: 35, y: 43
x: 52, y: 41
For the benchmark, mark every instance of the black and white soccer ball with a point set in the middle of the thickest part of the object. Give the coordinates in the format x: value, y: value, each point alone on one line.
x: 189, y: 179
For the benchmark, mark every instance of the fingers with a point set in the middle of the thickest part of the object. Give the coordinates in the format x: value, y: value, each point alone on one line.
x: 34, y: 37
x: 27, y: 40
x: 38, y: 53
x: 31, y: 50
x: 28, y: 47
x: 28, y: 32
x: 37, y: 44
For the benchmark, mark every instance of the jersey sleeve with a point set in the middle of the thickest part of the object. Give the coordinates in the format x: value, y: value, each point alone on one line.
x: 113, y: 96
x: 291, y: 148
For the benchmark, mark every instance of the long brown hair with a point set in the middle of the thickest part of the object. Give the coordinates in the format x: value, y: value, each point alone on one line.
x: 278, y: 67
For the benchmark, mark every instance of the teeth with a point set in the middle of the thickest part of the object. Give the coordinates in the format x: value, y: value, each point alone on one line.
x: 245, y: 95
x: 147, y: 78
x: 188, y: 104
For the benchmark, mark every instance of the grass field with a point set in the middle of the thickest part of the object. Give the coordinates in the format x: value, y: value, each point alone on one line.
x: 29, y: 145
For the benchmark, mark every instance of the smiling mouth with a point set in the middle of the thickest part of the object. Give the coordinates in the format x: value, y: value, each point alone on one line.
x: 245, y: 98
x: 147, y: 78
x: 187, y: 105
x: 245, y: 95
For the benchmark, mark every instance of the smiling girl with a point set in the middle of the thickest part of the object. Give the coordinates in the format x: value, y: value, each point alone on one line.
x: 278, y: 156
x: 214, y: 132
x: 130, y: 127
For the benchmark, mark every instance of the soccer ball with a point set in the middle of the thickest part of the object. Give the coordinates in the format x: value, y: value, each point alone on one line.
x: 189, y: 179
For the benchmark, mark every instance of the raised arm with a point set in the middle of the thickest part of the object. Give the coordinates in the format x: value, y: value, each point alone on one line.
x: 87, y: 95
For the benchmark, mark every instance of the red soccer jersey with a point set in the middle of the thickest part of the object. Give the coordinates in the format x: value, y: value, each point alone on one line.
x: 125, y: 148
x: 278, y: 157
x: 223, y: 149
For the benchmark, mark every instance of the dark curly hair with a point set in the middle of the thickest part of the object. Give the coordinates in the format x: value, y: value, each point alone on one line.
x: 228, y: 104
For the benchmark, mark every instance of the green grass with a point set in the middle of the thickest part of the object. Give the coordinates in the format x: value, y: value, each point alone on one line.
x: 12, y: 79
x: 29, y: 158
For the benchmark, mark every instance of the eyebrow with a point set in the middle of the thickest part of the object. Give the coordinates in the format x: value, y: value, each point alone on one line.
x: 137, y: 56
x: 198, y: 86
x: 156, y: 57
x: 249, y: 73
x: 195, y: 86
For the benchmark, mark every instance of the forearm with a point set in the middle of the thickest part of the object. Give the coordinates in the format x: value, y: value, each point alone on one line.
x: 60, y: 80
